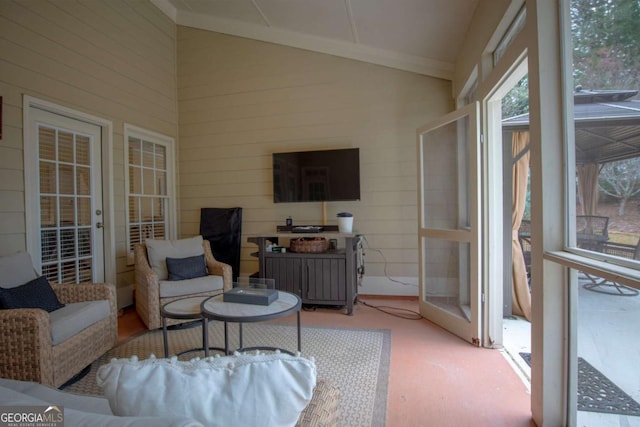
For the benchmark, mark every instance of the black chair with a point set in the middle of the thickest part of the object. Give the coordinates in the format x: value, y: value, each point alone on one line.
x: 592, y: 231
x: 605, y: 286
x: 222, y: 227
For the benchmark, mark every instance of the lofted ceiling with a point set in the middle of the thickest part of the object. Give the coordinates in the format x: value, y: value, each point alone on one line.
x: 422, y: 36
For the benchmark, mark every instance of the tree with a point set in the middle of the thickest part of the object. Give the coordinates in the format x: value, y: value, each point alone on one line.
x: 606, y: 51
x: 516, y: 102
x: 621, y: 180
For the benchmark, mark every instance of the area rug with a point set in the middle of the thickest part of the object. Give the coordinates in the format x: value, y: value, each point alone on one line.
x: 356, y: 360
x: 597, y: 393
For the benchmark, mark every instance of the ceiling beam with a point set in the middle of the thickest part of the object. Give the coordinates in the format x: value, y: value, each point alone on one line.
x: 358, y: 52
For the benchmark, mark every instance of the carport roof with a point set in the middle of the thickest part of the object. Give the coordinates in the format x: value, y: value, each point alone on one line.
x: 607, y: 125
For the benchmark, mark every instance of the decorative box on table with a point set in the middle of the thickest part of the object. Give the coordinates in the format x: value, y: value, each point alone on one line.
x: 252, y: 291
x: 250, y: 296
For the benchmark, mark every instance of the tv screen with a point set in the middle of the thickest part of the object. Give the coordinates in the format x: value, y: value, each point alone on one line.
x: 316, y: 176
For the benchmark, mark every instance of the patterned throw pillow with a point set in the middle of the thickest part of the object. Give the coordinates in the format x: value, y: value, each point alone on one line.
x: 186, y: 268
x: 34, y: 294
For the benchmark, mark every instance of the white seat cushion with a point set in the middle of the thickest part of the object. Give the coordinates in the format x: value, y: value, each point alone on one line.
x: 179, y: 288
x: 159, y: 250
x: 241, y: 390
x: 72, y: 318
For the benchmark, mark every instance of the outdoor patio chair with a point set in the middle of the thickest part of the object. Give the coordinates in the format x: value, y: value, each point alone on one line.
x: 622, y: 249
x: 605, y: 286
x: 592, y: 231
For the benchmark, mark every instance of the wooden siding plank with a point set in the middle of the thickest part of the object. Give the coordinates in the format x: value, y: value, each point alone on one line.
x: 241, y: 100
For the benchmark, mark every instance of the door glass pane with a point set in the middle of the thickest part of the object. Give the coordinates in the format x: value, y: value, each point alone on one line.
x: 65, y: 205
x: 608, y: 345
x: 606, y: 45
x: 49, y: 245
x: 83, y: 183
x: 68, y: 272
x: 84, y: 211
x: 47, y: 146
x: 48, y: 211
x: 448, y: 283
x: 65, y: 147
x: 606, y: 72
x: 67, y: 211
x: 83, y: 150
x: 48, y: 178
x: 84, y: 241
x: 67, y: 179
x: 84, y: 271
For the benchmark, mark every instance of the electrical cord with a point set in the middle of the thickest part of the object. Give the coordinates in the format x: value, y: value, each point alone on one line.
x: 391, y: 279
x: 385, y: 265
x: 391, y: 311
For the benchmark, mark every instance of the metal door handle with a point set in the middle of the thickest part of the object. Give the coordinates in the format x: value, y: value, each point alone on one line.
x: 99, y: 225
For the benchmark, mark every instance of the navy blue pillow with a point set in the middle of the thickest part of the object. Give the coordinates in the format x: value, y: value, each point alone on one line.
x: 37, y: 293
x: 186, y: 268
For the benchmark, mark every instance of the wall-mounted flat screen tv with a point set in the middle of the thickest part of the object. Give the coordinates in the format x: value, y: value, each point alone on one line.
x: 316, y: 176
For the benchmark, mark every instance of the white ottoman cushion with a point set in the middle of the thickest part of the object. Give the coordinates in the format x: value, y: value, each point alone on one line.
x: 240, y: 390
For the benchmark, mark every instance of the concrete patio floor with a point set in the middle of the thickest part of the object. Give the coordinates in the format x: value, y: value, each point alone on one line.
x: 608, y: 339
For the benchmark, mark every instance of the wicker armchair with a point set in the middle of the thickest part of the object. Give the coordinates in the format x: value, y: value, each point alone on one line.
x: 26, y: 350
x: 147, y: 297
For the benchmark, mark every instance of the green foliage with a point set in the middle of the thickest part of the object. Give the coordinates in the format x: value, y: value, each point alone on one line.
x: 516, y: 102
x: 606, y: 43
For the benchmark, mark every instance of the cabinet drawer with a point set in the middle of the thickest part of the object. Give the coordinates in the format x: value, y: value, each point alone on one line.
x: 326, y: 280
x: 287, y: 273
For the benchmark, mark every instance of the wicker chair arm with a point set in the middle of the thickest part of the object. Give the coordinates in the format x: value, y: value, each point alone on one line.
x: 25, y: 345
x: 218, y: 268
x: 147, y: 289
x: 323, y: 410
x: 147, y: 282
x: 69, y: 293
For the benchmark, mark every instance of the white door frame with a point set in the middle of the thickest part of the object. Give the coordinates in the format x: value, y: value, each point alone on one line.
x: 31, y: 207
x: 492, y: 196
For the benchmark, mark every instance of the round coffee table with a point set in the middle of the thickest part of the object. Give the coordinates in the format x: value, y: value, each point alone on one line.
x: 186, y: 308
x: 217, y: 309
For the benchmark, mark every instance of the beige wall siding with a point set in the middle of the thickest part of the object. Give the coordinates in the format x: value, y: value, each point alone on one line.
x: 240, y: 100
x: 112, y: 59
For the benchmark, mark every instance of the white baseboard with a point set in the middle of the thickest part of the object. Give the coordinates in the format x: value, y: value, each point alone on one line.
x: 385, y: 286
x: 124, y: 296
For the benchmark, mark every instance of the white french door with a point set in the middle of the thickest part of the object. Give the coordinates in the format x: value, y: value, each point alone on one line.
x: 65, y: 231
x: 449, y: 225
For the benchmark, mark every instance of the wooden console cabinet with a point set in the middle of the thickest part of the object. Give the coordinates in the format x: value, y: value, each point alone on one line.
x: 327, y: 278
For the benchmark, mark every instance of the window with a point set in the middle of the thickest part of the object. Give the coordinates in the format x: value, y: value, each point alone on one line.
x: 602, y: 245
x: 514, y: 29
x: 150, y: 195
